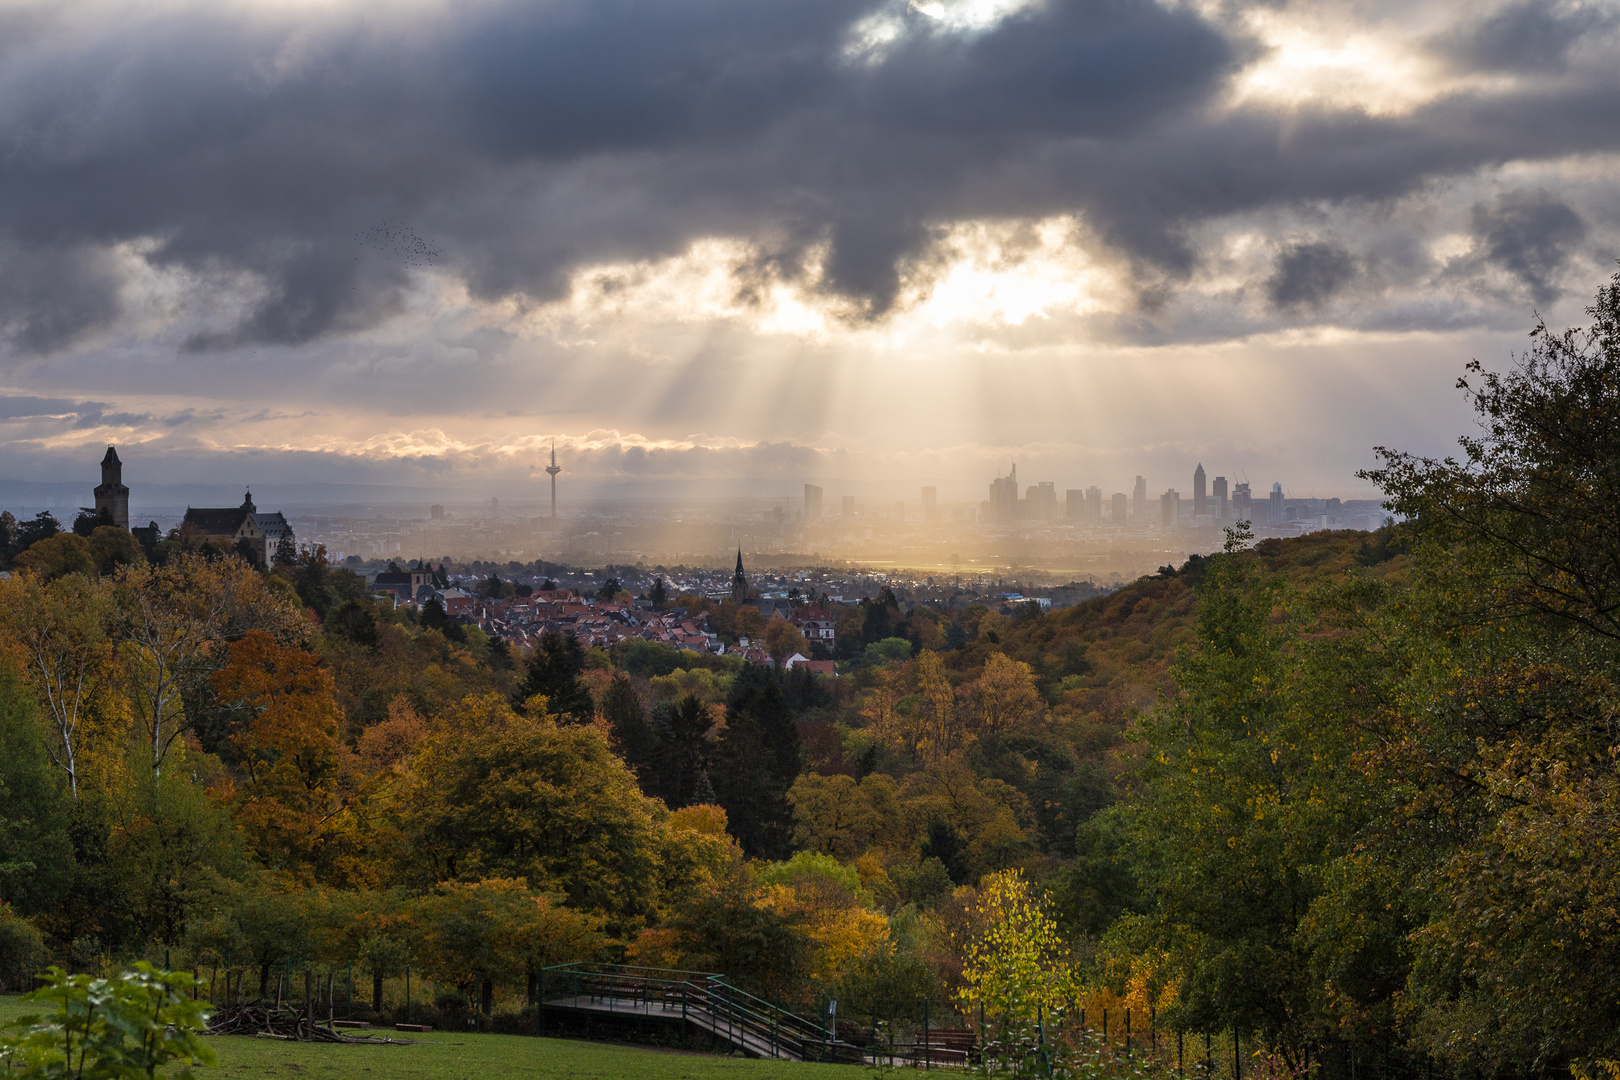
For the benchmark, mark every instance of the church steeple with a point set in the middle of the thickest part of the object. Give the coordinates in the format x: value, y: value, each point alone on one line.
x: 739, y: 582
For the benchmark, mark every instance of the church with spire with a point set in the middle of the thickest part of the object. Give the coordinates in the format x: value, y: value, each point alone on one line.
x: 739, y: 582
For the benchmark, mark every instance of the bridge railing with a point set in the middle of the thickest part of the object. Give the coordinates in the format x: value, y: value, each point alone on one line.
x: 745, y: 1021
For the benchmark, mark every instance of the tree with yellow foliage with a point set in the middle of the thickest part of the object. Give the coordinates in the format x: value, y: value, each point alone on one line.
x: 825, y: 899
x: 940, y: 730
x: 1005, y: 695
x: 1017, y: 968
x: 61, y: 629
x: 492, y: 794
x: 172, y: 623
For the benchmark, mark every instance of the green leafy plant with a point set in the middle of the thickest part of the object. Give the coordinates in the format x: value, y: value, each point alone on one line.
x: 122, y: 1028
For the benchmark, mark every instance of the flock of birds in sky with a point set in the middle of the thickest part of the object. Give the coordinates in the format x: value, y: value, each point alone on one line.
x: 397, y: 243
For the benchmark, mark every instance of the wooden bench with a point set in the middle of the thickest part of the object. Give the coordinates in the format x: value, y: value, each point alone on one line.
x: 422, y: 1029
x: 360, y: 1024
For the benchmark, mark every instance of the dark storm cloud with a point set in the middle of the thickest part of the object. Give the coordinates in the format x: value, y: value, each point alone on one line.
x: 1527, y: 36
x: 521, y: 140
x: 52, y: 297
x: 1308, y: 274
x: 1530, y: 235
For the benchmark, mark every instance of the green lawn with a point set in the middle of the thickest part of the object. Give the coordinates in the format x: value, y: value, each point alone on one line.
x: 475, y: 1057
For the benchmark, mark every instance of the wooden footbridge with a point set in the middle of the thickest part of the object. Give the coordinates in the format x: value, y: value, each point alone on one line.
x: 614, y: 997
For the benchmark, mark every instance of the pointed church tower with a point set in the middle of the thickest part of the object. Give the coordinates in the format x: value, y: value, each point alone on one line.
x: 739, y: 582
x: 112, y: 497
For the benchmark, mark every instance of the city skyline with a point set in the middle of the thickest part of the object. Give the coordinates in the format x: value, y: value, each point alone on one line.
x: 868, y: 250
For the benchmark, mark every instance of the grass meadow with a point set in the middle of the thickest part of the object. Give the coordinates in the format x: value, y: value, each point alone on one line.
x: 456, y: 1056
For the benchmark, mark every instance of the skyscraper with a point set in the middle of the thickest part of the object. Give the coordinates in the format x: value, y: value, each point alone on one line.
x: 1118, y: 508
x: 1242, y: 503
x: 1046, y: 501
x: 1094, y: 505
x: 1169, y: 509
x: 849, y: 506
x: 1277, y: 507
x: 1074, y: 504
x: 1198, y: 489
x: 1004, y: 496
x: 812, y: 503
x: 930, y: 503
x: 1219, y: 493
x: 1139, y: 506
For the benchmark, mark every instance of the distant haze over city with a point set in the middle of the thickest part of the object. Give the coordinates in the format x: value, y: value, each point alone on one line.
x: 357, y: 256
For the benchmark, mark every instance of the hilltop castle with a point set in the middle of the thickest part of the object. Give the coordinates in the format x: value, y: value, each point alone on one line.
x: 256, y: 534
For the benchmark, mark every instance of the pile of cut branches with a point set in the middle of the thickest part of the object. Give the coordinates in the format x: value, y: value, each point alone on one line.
x: 275, y: 1021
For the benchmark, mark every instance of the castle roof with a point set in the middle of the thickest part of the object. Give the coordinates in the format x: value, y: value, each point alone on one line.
x: 215, y: 521
x: 274, y: 526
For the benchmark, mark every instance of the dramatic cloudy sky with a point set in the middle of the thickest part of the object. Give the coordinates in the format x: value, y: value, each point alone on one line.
x: 408, y: 243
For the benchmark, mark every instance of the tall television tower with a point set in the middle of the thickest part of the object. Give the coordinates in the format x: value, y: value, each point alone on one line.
x: 553, y: 469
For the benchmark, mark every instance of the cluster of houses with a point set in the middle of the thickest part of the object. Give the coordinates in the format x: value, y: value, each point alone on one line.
x: 522, y: 621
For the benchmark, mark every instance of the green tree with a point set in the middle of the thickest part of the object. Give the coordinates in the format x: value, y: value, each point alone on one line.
x: 42, y: 526
x: 112, y: 547
x: 1499, y: 750
x: 633, y: 736
x: 135, y: 1025
x: 679, y: 774
x: 493, y: 794
x: 1247, y: 808
x: 22, y: 950
x: 554, y: 673
x: 58, y: 556
x: 725, y: 930
x: 36, y: 850
x: 755, y: 761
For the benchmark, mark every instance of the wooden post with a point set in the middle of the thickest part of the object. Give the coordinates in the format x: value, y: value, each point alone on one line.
x: 928, y: 1062
x: 308, y: 1023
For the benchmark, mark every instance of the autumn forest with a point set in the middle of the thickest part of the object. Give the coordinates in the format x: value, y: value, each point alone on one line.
x: 1348, y: 789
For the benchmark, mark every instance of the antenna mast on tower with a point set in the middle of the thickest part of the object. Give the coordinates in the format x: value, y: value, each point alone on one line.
x: 553, y: 469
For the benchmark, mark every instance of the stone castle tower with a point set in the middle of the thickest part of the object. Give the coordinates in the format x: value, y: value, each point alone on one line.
x: 112, y: 497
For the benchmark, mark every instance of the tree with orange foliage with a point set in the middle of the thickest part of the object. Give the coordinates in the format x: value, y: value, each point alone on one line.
x: 172, y: 624
x: 285, y: 733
